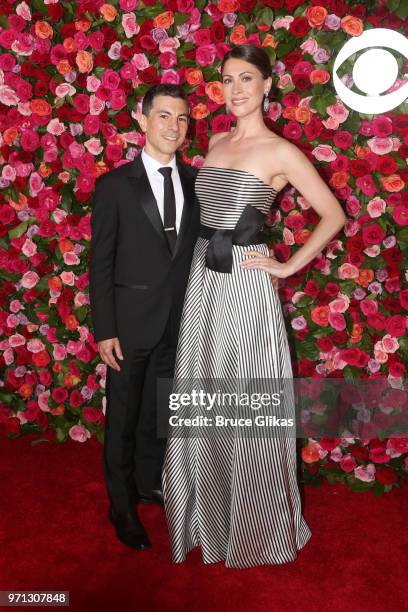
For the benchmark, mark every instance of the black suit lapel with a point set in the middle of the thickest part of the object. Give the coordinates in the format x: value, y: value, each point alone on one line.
x: 139, y: 180
x: 187, y: 184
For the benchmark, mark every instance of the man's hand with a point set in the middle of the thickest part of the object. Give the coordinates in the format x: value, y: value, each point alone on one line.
x: 106, y: 350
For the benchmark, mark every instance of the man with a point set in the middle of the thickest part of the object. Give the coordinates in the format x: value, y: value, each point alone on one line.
x: 145, y: 222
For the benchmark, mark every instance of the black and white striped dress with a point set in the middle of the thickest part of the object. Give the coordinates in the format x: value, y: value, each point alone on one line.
x: 236, y: 497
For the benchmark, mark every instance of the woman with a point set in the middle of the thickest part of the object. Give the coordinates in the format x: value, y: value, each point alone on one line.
x: 236, y: 496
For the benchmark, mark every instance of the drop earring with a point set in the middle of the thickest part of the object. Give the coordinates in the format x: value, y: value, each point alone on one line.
x: 266, y: 102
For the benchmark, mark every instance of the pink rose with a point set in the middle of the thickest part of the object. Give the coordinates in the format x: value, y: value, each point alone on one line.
x: 205, y: 55
x: 29, y: 280
x: 365, y: 473
x: 118, y: 99
x: 130, y: 25
x: 348, y: 463
x: 376, y: 207
x: 347, y: 271
x: 368, y: 306
x: 337, y: 321
x: 400, y: 215
x: 79, y: 433
x: 340, y: 304
x: 390, y: 344
x: 170, y: 76
x: 380, y: 146
x: 110, y: 79
x: 324, y: 153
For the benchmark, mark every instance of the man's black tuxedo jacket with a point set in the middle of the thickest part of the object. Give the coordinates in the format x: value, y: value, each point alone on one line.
x: 129, y: 247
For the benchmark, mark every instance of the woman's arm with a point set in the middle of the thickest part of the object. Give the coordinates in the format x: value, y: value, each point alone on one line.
x: 300, y: 173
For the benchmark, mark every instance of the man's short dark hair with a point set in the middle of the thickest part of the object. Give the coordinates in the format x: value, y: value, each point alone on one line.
x: 162, y: 89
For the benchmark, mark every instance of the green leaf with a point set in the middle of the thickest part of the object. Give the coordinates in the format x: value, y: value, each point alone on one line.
x: 18, y: 231
x: 39, y: 6
x: 265, y: 15
x: 402, y: 11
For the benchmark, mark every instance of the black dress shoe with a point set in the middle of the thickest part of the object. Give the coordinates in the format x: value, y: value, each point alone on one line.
x: 129, y: 529
x: 156, y: 497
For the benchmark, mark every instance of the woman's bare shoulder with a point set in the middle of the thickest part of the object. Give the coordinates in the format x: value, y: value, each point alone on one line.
x: 216, y: 138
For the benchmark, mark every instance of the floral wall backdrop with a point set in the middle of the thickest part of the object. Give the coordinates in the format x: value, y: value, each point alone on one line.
x: 72, y: 76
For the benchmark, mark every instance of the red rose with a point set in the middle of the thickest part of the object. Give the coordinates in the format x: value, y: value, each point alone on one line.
x: 386, y: 164
x: 360, y: 452
x: 301, y: 81
x: 306, y: 367
x: 358, y: 167
x: 397, y: 369
x: 354, y: 357
x: 217, y: 31
x: 12, y: 425
x: 246, y: 6
x: 373, y: 234
x: 343, y: 140
x: 293, y: 58
x: 291, y: 5
x: 391, y: 304
x: 329, y: 443
x: 396, y: 325
x: 220, y: 123
x: 149, y: 75
x: 312, y: 288
x: 386, y: 475
x: 331, y: 289
x: 403, y: 298
x: 339, y: 337
x: 324, y: 344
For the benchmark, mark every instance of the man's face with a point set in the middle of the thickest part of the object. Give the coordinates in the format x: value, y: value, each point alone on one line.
x: 165, y: 126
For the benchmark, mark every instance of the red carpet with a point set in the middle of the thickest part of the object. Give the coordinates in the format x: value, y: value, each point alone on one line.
x: 55, y: 535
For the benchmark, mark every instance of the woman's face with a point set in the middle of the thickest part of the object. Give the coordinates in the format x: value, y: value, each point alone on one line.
x: 244, y: 86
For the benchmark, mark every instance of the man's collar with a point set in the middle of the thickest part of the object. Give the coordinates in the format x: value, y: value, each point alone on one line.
x: 153, y: 165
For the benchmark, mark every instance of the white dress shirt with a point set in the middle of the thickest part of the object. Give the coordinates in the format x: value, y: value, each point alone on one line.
x: 156, y: 181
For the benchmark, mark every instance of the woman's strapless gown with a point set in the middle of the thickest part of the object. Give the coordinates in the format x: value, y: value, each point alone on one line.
x: 236, y: 497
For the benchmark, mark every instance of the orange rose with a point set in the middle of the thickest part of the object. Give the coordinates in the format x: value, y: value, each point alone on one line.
x: 164, y: 20
x: 301, y: 235
x: 84, y: 61
x: 69, y: 45
x: 20, y: 205
x: 40, y: 107
x: 365, y: 277
x: 356, y: 333
x: 83, y: 25
x: 70, y: 380
x: 316, y: 15
x: 108, y: 12
x: 213, y: 89
x: 71, y: 322
x: 392, y: 183
x: 339, y: 179
x: 194, y: 76
x: 238, y: 36
x: 58, y: 411
x: 65, y: 245
x: 54, y: 283
x: 64, y: 67
x: 320, y: 315
x: 25, y: 390
x: 289, y: 112
x: 310, y: 453
x: 352, y: 25
x: 319, y: 76
x: 200, y: 111
x: 361, y: 152
x: 56, y: 367
x: 228, y: 6
x: 44, y: 170
x: 303, y: 114
x: 10, y: 135
x: 43, y: 30
x: 269, y: 41
x: 99, y: 169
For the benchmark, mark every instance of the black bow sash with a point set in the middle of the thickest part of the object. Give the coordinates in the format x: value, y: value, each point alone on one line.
x: 218, y: 256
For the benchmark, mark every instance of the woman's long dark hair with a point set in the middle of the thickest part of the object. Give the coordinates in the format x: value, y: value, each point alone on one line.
x: 256, y: 56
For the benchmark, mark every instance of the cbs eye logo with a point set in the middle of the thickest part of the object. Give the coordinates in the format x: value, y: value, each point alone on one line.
x: 374, y: 72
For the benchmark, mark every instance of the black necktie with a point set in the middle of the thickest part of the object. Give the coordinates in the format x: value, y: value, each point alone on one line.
x: 169, y: 208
